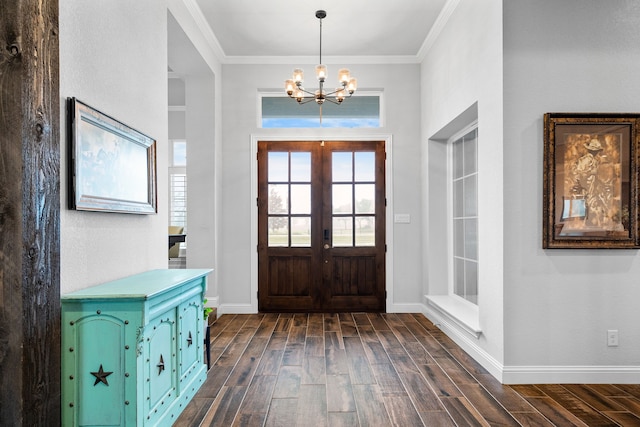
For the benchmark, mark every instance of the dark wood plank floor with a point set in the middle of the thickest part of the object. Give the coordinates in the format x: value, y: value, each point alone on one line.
x: 357, y: 369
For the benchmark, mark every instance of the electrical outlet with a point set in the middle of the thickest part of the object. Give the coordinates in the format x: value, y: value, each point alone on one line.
x: 612, y: 338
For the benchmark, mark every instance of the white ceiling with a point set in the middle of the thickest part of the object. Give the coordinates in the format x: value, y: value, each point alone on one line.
x: 353, y: 28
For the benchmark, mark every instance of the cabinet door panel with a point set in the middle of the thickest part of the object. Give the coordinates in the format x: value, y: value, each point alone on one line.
x: 100, y: 370
x: 190, y: 337
x: 161, y: 364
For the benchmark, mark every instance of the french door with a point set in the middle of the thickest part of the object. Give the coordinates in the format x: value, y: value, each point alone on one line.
x: 321, y: 226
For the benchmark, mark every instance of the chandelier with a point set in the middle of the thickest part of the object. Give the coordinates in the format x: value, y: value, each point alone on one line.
x: 347, y: 84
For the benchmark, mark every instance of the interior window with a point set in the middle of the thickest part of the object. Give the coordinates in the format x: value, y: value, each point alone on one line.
x: 464, y: 185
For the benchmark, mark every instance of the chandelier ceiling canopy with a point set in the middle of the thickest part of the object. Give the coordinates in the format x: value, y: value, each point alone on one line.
x: 347, y: 84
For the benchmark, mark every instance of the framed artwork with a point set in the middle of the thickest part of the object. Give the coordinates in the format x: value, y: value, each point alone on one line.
x: 590, y: 188
x: 112, y: 167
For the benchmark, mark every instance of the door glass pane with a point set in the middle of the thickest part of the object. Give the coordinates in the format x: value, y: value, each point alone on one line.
x: 300, y: 199
x: 301, y: 167
x: 278, y: 231
x: 342, y: 198
x: 341, y: 167
x: 365, y: 198
x: 301, y: 231
x: 278, y: 166
x: 365, y: 166
x: 278, y: 199
x: 342, y: 231
x: 365, y: 231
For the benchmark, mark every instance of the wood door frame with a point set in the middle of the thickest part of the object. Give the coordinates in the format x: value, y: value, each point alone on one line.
x: 302, y: 136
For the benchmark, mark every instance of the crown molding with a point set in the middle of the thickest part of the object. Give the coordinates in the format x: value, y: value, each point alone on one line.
x: 436, y: 29
x: 327, y: 60
x: 204, y: 28
x: 212, y: 41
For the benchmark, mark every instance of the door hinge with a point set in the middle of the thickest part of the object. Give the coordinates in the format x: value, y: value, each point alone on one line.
x: 257, y: 201
x: 385, y: 294
x: 385, y: 248
x: 385, y: 202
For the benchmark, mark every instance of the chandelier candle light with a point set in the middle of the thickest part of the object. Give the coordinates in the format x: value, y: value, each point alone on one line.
x: 295, y: 90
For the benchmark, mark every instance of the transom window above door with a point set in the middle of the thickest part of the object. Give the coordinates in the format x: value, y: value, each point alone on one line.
x: 282, y: 112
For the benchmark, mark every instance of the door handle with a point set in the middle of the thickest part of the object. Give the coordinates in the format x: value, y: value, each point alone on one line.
x: 326, y: 246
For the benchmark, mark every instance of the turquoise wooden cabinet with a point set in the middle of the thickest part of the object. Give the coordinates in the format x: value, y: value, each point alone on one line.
x: 132, y: 349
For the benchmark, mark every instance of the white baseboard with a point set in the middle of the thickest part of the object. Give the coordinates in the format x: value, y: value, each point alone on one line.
x: 212, y: 301
x: 236, y: 309
x: 571, y: 375
x: 465, y: 340
x: 599, y: 374
x: 404, y: 308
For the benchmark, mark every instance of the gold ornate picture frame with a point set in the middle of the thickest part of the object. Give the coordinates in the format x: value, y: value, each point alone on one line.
x: 590, y: 181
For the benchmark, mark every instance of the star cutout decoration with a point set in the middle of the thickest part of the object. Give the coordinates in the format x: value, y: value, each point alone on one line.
x: 101, y: 376
x: 160, y: 365
x: 189, y: 340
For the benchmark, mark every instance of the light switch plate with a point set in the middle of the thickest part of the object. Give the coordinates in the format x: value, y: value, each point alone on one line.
x: 402, y: 218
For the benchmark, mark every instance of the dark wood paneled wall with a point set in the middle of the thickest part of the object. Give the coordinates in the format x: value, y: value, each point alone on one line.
x: 29, y: 213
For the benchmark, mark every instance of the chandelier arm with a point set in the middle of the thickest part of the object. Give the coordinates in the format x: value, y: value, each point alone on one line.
x: 307, y: 99
x: 333, y: 101
x: 305, y: 91
x: 338, y: 90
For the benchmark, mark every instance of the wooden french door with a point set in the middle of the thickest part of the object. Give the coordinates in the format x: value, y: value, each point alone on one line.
x: 321, y: 226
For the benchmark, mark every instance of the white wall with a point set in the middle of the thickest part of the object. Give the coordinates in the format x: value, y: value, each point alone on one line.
x: 113, y: 57
x: 568, y: 56
x: 192, y: 58
x: 240, y: 101
x: 462, y: 74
